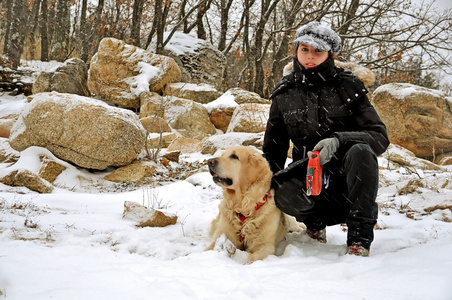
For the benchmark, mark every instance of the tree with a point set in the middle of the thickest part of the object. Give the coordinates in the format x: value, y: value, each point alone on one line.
x: 61, y: 42
x: 43, y: 31
x: 17, y: 19
x: 136, y: 21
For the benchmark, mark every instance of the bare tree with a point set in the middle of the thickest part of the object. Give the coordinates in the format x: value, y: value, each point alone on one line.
x: 136, y: 21
x: 43, y: 23
x: 60, y: 46
x: 17, y: 16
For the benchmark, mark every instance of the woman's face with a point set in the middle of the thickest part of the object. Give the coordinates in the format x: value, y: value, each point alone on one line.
x: 310, y: 57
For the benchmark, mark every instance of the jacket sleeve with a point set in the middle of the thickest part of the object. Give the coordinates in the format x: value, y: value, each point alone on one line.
x: 276, y: 139
x: 370, y: 129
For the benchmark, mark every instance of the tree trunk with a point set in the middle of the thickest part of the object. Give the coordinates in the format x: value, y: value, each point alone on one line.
x: 60, y: 46
x: 15, y: 42
x: 136, y: 21
x: 84, y: 51
x: 258, y: 52
x: 225, y: 6
x: 9, y: 20
x: 43, y: 31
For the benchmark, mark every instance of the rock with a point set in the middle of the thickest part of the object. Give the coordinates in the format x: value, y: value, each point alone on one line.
x: 199, y: 61
x: 5, y: 127
x: 222, y: 109
x: 185, y: 145
x: 155, y: 125
x: 136, y: 172
x: 221, y: 117
x: 146, y: 217
x: 151, y: 104
x: 50, y: 169
x: 84, y: 131
x: 242, y: 96
x: 250, y: 117
x: 69, y: 77
x: 225, y: 141
x: 28, y: 179
x: 120, y: 73
x: 201, y: 92
x: 189, y: 118
x: 7, y: 154
x: 172, y: 156
x: 416, y: 118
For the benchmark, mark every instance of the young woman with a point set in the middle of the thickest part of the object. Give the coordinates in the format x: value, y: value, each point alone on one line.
x: 320, y: 107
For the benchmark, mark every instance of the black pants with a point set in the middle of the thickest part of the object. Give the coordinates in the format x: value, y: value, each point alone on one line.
x: 348, y: 198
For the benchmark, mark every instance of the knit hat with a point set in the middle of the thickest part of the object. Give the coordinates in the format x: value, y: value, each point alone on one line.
x: 319, y: 36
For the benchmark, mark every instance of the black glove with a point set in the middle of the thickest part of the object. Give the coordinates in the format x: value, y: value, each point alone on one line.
x: 327, y: 148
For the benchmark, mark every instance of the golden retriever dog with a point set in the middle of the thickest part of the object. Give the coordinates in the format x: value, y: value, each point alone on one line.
x: 247, y: 213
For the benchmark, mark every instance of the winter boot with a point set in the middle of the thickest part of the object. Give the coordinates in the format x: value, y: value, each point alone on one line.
x: 319, y: 235
x: 358, y: 250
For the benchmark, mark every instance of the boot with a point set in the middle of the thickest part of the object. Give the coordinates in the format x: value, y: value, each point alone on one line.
x: 319, y: 235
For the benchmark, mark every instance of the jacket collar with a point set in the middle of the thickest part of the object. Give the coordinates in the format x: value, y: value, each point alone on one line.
x: 315, y: 76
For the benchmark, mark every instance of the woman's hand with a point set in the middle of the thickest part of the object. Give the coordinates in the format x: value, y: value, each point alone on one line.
x: 327, y: 148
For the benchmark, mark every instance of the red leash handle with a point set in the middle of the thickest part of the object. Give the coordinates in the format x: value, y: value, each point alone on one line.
x: 314, y: 175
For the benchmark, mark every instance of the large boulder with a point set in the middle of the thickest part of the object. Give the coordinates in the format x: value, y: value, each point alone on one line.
x: 81, y: 130
x: 199, y: 61
x: 120, y: 72
x: 189, y: 118
x: 69, y: 77
x: 417, y: 118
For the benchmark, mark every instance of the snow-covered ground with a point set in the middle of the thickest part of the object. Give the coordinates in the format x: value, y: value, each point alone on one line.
x: 74, y: 244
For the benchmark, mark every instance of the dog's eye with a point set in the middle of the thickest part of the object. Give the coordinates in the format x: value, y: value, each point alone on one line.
x: 233, y: 156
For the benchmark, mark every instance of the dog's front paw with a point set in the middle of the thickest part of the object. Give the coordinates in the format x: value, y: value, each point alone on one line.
x: 223, y: 244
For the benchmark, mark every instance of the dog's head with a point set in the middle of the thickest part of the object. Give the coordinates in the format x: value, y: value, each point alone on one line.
x: 238, y: 168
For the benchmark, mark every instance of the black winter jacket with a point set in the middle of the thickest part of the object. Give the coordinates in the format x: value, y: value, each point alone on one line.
x: 309, y: 105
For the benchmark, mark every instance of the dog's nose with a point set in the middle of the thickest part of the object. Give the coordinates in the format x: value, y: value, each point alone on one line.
x: 212, y: 162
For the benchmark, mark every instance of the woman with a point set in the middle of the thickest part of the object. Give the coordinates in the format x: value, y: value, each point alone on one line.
x: 321, y: 107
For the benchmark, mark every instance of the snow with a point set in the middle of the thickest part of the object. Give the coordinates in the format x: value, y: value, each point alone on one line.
x: 404, y: 90
x: 181, y: 43
x: 140, y: 83
x: 224, y: 101
x: 74, y: 243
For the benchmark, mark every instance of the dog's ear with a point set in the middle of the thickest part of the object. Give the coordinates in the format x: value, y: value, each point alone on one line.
x: 258, y: 167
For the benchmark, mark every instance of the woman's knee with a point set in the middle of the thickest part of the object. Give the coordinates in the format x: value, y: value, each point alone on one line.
x: 361, y: 154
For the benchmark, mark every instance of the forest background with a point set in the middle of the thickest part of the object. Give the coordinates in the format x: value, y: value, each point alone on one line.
x: 401, y: 41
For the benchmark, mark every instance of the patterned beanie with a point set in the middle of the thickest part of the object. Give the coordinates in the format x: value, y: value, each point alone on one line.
x: 319, y: 36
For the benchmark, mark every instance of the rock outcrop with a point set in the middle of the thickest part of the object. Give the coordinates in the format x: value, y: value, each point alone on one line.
x: 120, y: 72
x: 84, y: 131
x: 417, y: 118
x: 70, y: 77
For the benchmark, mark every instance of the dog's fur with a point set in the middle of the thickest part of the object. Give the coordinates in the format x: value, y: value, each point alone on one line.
x: 245, y: 177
